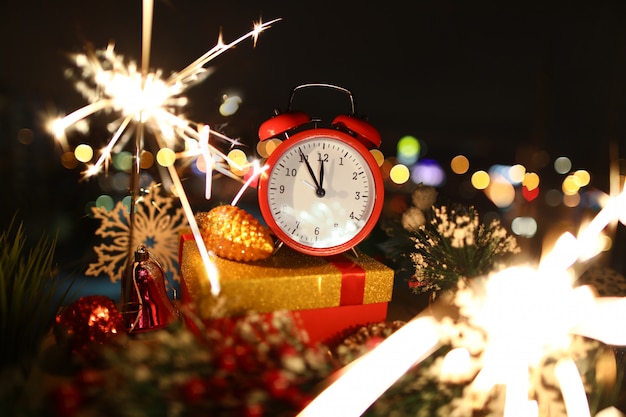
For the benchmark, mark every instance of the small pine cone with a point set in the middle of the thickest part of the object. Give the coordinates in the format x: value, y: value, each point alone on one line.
x: 233, y: 233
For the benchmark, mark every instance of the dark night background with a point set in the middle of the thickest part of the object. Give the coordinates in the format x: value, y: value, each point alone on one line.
x: 495, y: 81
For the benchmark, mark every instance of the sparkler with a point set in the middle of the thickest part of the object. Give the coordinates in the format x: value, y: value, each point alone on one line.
x: 256, y: 171
x: 355, y: 390
x: 208, y: 159
x: 148, y: 101
x: 526, y: 313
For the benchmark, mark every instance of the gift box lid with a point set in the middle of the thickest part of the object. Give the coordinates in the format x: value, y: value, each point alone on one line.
x: 287, y: 280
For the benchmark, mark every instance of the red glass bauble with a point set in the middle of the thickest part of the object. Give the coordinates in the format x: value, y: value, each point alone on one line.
x: 88, y: 323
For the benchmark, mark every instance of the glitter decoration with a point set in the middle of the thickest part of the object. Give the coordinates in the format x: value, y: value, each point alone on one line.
x: 232, y: 233
x: 88, y: 322
x: 287, y: 280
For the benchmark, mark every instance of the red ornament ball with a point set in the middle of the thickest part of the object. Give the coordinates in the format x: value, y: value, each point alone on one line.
x: 87, y: 323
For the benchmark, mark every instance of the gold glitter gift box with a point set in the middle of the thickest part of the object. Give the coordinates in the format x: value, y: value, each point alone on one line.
x: 329, y: 294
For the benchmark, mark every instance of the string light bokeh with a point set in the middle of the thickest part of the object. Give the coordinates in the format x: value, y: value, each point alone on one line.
x: 462, y: 88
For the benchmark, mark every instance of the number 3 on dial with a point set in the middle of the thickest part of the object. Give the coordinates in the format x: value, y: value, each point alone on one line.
x: 322, y: 193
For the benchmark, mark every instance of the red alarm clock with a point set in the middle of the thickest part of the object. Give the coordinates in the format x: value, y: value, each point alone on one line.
x: 322, y: 192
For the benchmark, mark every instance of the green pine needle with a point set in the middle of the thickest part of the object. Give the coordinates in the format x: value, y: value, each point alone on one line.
x: 30, y: 295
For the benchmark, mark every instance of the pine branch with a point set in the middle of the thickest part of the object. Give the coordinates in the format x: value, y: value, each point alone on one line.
x: 30, y: 295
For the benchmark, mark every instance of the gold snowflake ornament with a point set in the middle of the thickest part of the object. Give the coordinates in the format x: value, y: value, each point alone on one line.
x: 157, y: 223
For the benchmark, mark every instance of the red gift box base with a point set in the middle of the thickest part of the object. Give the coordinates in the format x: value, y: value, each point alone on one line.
x: 322, y: 325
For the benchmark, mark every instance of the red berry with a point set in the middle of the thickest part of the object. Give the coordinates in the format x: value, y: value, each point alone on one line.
x: 246, y: 358
x: 276, y: 382
x: 373, y: 341
x: 227, y: 362
x: 253, y: 410
x: 194, y: 390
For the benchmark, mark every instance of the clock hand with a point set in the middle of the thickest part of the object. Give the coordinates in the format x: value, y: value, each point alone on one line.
x: 308, y: 166
x: 320, y: 191
x: 308, y: 184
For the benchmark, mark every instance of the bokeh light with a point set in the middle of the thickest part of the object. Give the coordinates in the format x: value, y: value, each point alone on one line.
x: 83, y: 152
x: 68, y: 160
x: 378, y: 156
x: 553, y: 198
x: 25, y: 136
x: 562, y: 165
x: 120, y: 181
x: 200, y: 165
x: 516, y: 173
x: 459, y: 164
x: 524, y: 226
x: 570, y: 185
x: 271, y: 145
x: 572, y: 200
x: 105, y: 201
x: 397, y: 204
x: 123, y: 161
x: 261, y: 149
x: 399, y: 174
x: 428, y: 172
x: 583, y: 177
x: 230, y: 105
x: 166, y: 157
x: 501, y: 171
x: 480, y: 180
x: 238, y: 162
x: 530, y: 195
x: 500, y: 191
x: 146, y: 159
x: 408, y: 149
x: 385, y: 168
x: 530, y: 181
x: 266, y: 147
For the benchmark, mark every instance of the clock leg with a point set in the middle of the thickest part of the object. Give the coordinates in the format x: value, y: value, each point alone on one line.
x: 277, y: 246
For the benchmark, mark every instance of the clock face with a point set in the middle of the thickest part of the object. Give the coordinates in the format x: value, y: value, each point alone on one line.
x: 323, y: 192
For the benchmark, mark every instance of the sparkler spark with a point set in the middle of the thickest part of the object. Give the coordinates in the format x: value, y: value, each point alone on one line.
x: 111, y: 84
x: 525, y: 313
x: 146, y: 99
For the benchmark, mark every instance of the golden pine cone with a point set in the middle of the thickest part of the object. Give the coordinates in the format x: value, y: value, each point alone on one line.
x: 233, y: 233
